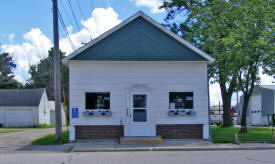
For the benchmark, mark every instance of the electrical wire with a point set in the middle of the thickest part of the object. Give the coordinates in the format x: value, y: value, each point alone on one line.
x: 73, y: 15
x: 66, y: 13
x: 78, y: 4
x: 65, y: 30
x: 65, y: 36
x: 92, y: 4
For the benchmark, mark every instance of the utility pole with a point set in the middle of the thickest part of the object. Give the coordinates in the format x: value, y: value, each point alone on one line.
x: 58, y: 126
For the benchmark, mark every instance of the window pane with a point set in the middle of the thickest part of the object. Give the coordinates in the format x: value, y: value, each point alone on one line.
x: 181, y: 100
x: 139, y: 101
x: 100, y: 100
x: 139, y: 115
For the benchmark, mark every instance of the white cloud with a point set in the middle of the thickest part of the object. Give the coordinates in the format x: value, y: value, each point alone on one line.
x: 11, y: 36
x: 36, y: 45
x: 100, y: 21
x: 34, y: 48
x: 152, y: 4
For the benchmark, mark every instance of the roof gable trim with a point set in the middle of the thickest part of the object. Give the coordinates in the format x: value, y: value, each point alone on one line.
x: 130, y: 19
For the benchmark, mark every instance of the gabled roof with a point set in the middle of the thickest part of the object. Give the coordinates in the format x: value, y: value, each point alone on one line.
x: 174, y: 48
x: 270, y: 87
x: 21, y: 97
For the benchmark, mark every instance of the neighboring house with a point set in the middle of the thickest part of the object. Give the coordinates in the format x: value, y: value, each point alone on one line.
x: 52, y: 111
x: 216, y: 114
x: 24, y: 107
x: 138, y: 79
x: 234, y: 112
x: 235, y: 115
x: 261, y: 104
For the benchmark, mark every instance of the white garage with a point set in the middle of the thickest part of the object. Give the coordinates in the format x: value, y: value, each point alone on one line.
x: 24, y: 107
x: 52, y: 111
x: 256, y: 110
x: 261, y: 105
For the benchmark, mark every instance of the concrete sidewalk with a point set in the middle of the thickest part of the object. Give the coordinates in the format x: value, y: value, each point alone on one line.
x: 114, y: 145
x: 167, y: 145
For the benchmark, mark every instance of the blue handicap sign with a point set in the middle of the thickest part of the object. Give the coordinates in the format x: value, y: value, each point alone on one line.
x: 74, y: 112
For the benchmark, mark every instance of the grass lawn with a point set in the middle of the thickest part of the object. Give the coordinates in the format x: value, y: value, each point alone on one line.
x: 43, y: 126
x: 51, y: 139
x: 227, y: 135
x: 8, y: 131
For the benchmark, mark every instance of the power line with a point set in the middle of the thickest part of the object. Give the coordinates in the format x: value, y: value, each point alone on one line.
x: 65, y: 30
x: 73, y: 15
x: 66, y: 13
x: 65, y: 36
x: 92, y: 4
x: 78, y: 4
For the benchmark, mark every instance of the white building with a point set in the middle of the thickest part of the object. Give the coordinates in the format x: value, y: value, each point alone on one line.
x: 24, y: 107
x: 52, y: 111
x: 261, y: 105
x: 138, y: 79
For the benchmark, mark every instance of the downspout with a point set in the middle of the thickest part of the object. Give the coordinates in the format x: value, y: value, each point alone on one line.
x: 209, y: 121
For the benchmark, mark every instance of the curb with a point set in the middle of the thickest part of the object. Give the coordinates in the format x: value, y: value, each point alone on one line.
x: 169, y: 149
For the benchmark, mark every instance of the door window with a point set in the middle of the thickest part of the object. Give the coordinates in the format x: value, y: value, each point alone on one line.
x: 139, y: 115
x: 139, y: 108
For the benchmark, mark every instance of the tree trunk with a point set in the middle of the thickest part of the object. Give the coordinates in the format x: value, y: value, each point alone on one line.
x: 226, y: 98
x: 244, y: 112
x: 227, y: 117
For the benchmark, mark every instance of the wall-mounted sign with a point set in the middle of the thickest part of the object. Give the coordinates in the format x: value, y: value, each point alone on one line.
x: 74, y: 112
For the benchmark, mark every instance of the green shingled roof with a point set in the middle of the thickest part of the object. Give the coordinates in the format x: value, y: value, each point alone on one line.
x: 138, y: 40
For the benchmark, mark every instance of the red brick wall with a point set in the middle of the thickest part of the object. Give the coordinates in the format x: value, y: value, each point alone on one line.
x: 172, y: 131
x: 177, y: 131
x: 98, y: 132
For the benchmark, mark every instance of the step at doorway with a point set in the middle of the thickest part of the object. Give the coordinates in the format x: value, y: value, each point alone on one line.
x: 141, y: 139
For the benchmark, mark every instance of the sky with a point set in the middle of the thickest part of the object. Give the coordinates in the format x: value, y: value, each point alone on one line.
x: 26, y: 30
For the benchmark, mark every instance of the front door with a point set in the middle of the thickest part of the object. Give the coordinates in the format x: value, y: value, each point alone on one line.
x: 256, y: 107
x: 139, y: 118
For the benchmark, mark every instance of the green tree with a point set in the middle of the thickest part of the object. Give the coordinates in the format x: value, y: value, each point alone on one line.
x: 7, y: 80
x: 239, y: 34
x: 209, y: 25
x: 256, y: 37
x: 42, y: 75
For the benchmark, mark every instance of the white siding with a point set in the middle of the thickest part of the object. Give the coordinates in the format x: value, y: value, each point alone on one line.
x: 116, y: 77
x: 44, y: 110
x: 52, y: 111
x: 2, y: 116
x: 19, y: 116
x: 255, y: 110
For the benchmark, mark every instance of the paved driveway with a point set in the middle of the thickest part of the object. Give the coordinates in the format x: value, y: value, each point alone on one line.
x: 23, y: 137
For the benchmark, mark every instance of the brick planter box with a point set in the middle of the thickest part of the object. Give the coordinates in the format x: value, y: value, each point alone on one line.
x: 180, y: 131
x: 84, y: 132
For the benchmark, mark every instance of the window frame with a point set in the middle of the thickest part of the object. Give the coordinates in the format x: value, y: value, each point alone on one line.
x: 181, y: 91
x: 103, y: 91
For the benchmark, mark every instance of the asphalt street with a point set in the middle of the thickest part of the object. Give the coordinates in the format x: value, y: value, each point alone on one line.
x: 146, y: 157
